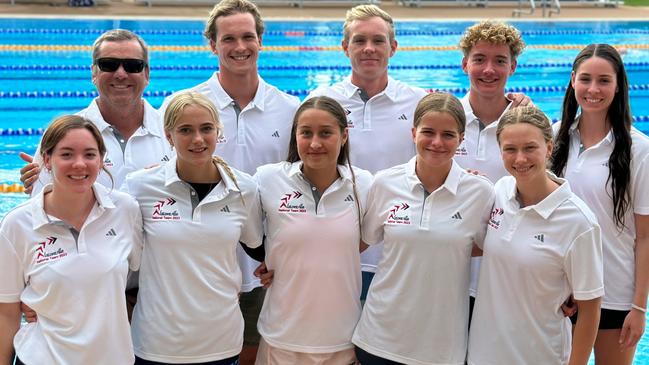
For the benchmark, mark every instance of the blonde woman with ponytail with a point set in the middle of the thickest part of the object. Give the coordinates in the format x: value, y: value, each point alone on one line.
x: 196, y: 210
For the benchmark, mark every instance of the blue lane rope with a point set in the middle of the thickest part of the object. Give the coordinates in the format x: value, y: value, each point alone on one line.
x: 296, y: 92
x: 300, y: 33
x: 40, y: 131
x: 289, y: 67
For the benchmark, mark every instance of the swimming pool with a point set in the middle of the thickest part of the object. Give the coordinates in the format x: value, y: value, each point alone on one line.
x: 44, y: 68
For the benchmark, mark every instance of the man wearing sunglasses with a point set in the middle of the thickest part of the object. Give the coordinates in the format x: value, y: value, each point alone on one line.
x: 130, y: 126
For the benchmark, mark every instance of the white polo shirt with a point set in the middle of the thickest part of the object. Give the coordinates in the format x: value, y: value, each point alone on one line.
x: 313, y: 304
x: 480, y: 151
x: 588, y: 174
x: 146, y: 147
x: 258, y: 136
x: 534, y: 258
x: 188, y: 308
x: 379, y: 131
x: 417, y: 310
x: 76, y: 286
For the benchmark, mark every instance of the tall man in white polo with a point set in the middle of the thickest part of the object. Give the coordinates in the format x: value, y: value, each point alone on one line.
x: 380, y: 109
x: 257, y: 118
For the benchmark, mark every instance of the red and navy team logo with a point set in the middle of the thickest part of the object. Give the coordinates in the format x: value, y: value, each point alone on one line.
x: 108, y: 162
x: 163, y: 210
x: 461, y: 150
x: 287, y: 203
x: 496, y: 217
x: 47, y: 251
x: 398, y: 215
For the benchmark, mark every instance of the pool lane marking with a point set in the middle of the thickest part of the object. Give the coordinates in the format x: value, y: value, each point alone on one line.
x: 66, y: 48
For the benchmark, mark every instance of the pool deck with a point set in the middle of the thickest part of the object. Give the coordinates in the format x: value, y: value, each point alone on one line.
x: 122, y: 8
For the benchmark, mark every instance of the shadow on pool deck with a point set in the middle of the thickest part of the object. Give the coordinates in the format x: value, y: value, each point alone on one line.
x: 116, y: 8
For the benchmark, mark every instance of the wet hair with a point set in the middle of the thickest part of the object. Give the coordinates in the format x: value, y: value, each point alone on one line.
x: 334, y: 109
x: 619, y: 116
x: 177, y: 106
x: 119, y: 35
x: 441, y: 103
x: 231, y: 7
x: 364, y: 12
x: 494, y: 32
x: 529, y: 115
x: 61, y: 126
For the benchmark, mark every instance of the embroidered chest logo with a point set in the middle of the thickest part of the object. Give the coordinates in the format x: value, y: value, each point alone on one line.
x: 162, y: 210
x: 461, y: 151
x: 402, y: 117
x: 398, y: 215
x: 287, y: 203
x: 496, y: 217
x: 47, y: 251
x: 222, y: 139
x: 164, y: 159
x: 108, y: 162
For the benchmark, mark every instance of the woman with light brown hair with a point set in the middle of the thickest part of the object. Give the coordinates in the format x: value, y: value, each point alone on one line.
x: 66, y: 254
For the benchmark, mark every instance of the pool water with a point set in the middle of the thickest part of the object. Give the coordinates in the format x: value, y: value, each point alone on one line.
x: 42, y: 77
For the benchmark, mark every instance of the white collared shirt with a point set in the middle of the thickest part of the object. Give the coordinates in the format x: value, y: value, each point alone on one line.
x: 188, y: 308
x: 417, y: 310
x: 480, y: 151
x: 380, y: 131
x: 588, y: 173
x: 75, y: 286
x: 534, y: 258
x: 258, y: 136
x: 313, y: 304
x: 146, y: 147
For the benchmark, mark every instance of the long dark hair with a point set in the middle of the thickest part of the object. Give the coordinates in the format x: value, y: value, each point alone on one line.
x: 332, y: 107
x: 619, y: 115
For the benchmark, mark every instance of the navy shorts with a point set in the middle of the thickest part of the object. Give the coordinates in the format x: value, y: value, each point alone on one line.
x: 609, y: 319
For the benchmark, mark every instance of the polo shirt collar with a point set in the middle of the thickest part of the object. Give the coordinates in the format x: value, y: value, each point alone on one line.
x: 171, y: 175
x: 296, y: 169
x: 574, y: 130
x: 94, y: 115
x: 472, y: 118
x: 40, y: 218
x: 551, y: 202
x: 450, y: 184
x: 223, y: 100
x: 350, y: 89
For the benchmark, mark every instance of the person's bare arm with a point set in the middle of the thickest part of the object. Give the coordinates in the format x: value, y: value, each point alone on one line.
x: 9, y: 325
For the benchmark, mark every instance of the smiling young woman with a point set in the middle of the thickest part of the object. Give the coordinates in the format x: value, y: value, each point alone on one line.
x: 429, y: 212
x: 313, y: 204
x: 606, y: 160
x: 66, y: 254
x: 542, y: 245
x: 196, y: 210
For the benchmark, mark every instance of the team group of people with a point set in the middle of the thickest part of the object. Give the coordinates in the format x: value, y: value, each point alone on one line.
x: 374, y: 223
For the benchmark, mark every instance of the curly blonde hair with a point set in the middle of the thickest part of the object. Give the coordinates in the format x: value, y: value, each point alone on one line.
x: 494, y: 32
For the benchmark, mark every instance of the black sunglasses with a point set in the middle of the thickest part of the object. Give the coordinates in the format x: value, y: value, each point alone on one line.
x: 131, y: 65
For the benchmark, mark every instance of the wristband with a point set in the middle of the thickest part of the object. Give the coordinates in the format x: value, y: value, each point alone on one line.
x: 637, y: 307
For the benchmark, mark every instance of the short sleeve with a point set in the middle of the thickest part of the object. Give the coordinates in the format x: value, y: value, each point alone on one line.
x: 137, y: 235
x: 252, y: 231
x: 372, y: 229
x: 12, y: 283
x: 584, y: 266
x: 478, y: 239
x: 640, y: 183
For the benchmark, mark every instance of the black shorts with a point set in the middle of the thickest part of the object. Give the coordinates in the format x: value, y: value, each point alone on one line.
x: 609, y: 319
x: 365, y: 358
x: 230, y: 361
